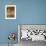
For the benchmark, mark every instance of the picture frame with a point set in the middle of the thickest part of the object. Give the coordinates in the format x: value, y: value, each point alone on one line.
x: 10, y: 11
x: 36, y: 32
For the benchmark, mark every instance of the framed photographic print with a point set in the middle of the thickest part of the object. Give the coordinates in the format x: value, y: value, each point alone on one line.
x: 33, y: 32
x: 10, y: 11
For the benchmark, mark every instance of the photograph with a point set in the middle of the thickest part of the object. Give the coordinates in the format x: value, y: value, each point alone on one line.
x: 10, y: 11
x: 28, y: 33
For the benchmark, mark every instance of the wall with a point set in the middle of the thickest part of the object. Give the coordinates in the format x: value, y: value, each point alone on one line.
x: 27, y: 12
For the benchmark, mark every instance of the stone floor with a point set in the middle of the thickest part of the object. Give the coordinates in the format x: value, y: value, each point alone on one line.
x: 28, y: 43
x: 32, y: 43
x: 9, y: 45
